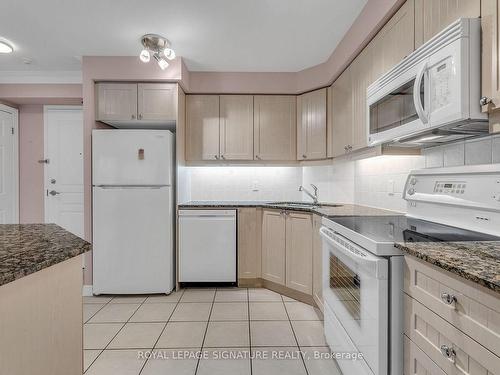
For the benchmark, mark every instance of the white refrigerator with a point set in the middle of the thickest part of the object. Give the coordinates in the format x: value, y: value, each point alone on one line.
x: 132, y: 211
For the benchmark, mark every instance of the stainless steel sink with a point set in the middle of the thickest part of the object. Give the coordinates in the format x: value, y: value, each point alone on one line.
x: 302, y: 204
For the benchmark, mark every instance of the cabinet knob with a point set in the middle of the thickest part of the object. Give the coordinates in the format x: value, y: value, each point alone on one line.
x: 133, y: 117
x: 223, y: 157
x: 449, y: 299
x: 345, y: 148
x: 140, y: 116
x: 257, y: 157
x: 484, y: 100
x: 216, y: 157
x: 448, y: 352
x: 304, y: 156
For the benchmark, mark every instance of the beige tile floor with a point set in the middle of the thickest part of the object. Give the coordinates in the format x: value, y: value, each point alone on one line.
x: 204, y: 332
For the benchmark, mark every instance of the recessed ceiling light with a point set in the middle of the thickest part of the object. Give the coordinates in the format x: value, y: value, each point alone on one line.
x: 5, y: 47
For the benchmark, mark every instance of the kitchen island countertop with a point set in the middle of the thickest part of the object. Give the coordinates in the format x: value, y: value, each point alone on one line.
x: 28, y: 248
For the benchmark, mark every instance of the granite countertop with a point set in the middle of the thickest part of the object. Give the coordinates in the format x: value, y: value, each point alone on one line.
x: 478, y: 262
x: 325, y: 209
x: 28, y: 248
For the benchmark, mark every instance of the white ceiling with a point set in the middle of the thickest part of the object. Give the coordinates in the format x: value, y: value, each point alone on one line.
x: 211, y: 35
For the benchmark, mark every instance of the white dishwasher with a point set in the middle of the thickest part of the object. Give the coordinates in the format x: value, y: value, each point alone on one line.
x: 207, y: 246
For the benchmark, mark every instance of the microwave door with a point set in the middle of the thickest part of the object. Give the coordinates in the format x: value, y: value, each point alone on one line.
x: 400, y: 108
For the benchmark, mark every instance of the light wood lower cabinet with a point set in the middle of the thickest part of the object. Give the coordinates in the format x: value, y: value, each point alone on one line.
x: 299, y: 252
x: 249, y: 243
x: 41, y: 330
x: 273, y: 246
x: 287, y: 249
x: 317, y: 262
x: 451, y: 325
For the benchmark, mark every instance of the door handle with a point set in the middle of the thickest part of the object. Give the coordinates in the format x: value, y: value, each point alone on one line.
x: 416, y: 95
x: 53, y: 192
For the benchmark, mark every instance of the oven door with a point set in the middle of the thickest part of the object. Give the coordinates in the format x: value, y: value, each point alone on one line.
x: 355, y: 292
x: 400, y: 106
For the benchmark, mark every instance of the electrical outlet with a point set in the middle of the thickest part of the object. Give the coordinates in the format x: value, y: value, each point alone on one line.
x: 390, y: 187
x: 255, y: 185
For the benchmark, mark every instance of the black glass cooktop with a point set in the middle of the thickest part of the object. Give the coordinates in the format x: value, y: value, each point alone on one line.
x: 406, y: 229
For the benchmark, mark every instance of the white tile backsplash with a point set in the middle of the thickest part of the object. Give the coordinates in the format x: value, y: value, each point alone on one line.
x: 478, y: 151
x: 375, y: 182
x: 495, y: 149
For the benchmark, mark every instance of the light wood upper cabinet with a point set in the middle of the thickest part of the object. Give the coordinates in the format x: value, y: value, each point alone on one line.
x: 340, y: 119
x: 202, y: 127
x: 317, y: 259
x: 490, y: 59
x: 273, y: 246
x: 275, y: 127
x: 432, y: 16
x: 236, y: 127
x: 361, y: 77
x: 116, y: 101
x: 311, y: 125
x: 156, y: 101
x: 249, y: 243
x: 299, y: 252
x: 395, y: 40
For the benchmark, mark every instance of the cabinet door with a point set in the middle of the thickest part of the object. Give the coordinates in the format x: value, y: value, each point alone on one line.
x: 490, y: 72
x: 202, y: 127
x: 395, y: 40
x: 432, y: 16
x: 311, y: 125
x: 341, y: 104
x: 273, y: 246
x: 116, y: 101
x: 317, y: 263
x: 275, y: 127
x: 249, y: 243
x: 299, y: 252
x: 360, y: 80
x: 236, y: 127
x: 156, y: 101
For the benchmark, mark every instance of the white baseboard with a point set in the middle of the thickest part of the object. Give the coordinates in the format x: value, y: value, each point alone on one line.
x: 87, y: 291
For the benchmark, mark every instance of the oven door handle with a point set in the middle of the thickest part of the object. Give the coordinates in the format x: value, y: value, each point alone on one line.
x: 371, y: 263
x: 416, y: 94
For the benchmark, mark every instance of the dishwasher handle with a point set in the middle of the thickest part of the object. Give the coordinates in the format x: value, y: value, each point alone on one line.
x: 207, y: 213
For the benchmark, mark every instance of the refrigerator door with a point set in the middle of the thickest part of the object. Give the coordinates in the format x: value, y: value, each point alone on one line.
x: 132, y: 157
x: 132, y: 240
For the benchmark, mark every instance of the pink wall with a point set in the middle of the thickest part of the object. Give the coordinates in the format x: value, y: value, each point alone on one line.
x: 41, y: 93
x: 31, y: 173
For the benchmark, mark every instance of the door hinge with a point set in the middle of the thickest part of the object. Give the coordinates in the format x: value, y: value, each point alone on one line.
x: 12, y: 130
x: 44, y: 161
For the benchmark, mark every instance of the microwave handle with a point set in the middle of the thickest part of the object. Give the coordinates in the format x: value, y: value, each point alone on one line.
x: 416, y: 94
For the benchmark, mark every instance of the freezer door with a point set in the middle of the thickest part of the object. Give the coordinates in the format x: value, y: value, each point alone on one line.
x: 132, y: 157
x: 132, y: 240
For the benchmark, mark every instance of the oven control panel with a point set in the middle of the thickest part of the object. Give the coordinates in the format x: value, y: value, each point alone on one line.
x: 450, y: 187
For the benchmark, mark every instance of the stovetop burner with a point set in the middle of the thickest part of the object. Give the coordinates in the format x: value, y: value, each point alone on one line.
x: 406, y: 229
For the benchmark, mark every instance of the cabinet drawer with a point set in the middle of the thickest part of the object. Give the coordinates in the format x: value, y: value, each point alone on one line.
x: 430, y: 333
x: 416, y: 362
x: 475, y: 311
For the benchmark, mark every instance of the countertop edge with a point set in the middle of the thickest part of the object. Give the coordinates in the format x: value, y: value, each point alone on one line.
x: 447, y: 267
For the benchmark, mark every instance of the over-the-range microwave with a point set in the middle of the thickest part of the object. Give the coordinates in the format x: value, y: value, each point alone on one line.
x: 432, y: 96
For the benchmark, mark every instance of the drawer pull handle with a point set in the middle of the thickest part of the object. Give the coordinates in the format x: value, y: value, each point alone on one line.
x: 448, y: 352
x: 449, y: 299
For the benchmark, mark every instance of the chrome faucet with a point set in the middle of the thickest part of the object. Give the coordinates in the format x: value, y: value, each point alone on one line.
x: 314, y: 196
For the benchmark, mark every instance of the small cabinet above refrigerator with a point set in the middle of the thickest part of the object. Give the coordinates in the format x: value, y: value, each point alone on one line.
x: 137, y: 105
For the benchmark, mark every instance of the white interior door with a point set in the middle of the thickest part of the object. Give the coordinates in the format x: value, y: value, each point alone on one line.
x: 9, y: 201
x: 64, y: 168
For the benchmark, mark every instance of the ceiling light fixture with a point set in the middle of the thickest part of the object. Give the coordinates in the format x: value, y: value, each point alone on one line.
x: 157, y: 46
x: 5, y: 47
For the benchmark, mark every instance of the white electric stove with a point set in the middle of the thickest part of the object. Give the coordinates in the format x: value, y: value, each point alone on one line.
x: 363, y: 271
